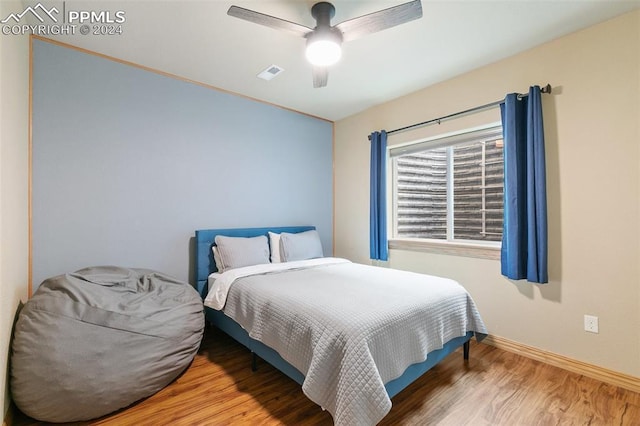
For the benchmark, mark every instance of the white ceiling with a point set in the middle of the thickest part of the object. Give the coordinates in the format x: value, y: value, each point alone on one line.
x: 196, y: 40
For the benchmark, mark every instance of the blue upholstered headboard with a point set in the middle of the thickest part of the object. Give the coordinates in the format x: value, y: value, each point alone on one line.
x: 205, y: 239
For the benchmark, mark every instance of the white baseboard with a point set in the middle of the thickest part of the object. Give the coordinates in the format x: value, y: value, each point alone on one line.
x: 593, y: 371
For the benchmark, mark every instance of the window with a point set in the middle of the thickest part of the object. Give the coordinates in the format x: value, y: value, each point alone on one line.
x: 450, y: 189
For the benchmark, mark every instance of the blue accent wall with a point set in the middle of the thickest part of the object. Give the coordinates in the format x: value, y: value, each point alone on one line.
x: 127, y: 163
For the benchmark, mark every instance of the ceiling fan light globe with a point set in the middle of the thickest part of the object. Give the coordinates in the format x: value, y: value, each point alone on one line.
x: 323, y: 53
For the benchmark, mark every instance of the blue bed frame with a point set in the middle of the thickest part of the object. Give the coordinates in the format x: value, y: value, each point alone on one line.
x: 205, y: 265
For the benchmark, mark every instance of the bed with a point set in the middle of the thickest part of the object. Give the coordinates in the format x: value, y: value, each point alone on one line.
x: 350, y: 361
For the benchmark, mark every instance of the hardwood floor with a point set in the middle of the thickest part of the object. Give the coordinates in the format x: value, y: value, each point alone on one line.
x: 494, y: 388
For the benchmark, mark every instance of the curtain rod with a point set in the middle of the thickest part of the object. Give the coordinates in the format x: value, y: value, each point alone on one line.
x: 544, y: 89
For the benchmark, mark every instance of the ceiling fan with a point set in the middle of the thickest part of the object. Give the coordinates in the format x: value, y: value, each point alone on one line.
x: 324, y: 41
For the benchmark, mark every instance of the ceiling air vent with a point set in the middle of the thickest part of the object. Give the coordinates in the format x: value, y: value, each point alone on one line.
x: 270, y: 72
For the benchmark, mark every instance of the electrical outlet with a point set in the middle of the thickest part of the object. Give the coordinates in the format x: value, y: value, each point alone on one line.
x: 591, y: 323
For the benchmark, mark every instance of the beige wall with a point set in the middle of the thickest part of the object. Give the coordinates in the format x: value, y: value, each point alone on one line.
x: 593, y: 183
x: 14, y: 169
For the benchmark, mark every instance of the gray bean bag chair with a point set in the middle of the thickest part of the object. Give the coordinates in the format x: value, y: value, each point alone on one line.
x: 100, y: 339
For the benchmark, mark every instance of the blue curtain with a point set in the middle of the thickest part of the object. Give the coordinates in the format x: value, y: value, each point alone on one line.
x: 524, y: 238
x: 378, y: 200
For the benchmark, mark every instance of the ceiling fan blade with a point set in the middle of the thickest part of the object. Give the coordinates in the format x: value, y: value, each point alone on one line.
x: 268, y: 21
x: 380, y: 20
x: 320, y: 77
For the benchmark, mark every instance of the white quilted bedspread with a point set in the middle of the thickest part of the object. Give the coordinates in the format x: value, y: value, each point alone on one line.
x: 349, y: 328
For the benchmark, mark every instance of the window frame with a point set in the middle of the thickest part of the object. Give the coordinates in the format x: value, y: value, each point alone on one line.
x: 458, y: 247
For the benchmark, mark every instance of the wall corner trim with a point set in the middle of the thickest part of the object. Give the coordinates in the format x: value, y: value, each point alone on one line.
x: 589, y: 370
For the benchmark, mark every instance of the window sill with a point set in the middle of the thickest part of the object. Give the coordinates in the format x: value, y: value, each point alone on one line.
x: 447, y: 248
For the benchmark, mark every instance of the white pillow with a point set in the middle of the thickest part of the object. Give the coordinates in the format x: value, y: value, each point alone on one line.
x: 216, y: 259
x: 300, y: 246
x: 274, y: 245
x: 236, y: 252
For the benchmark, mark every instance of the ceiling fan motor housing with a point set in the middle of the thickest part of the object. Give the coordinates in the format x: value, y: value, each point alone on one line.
x: 323, y: 43
x: 323, y: 12
x: 329, y: 34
